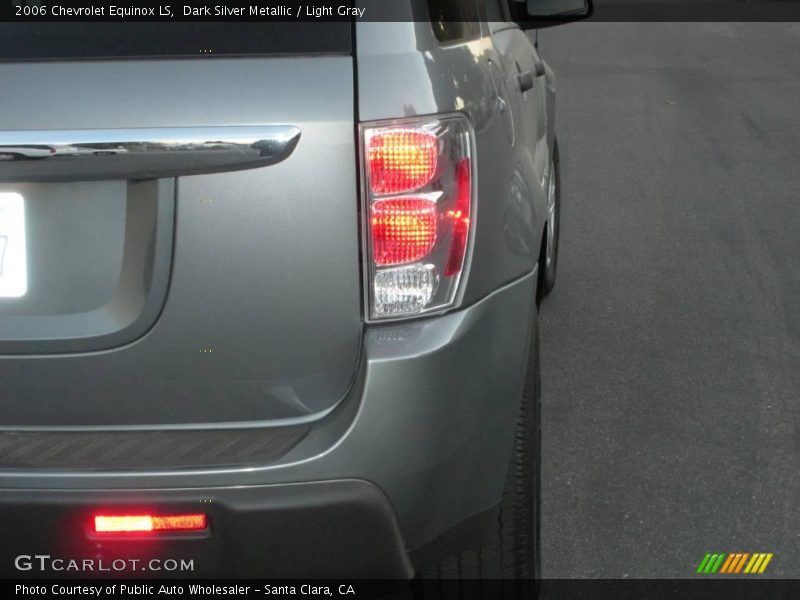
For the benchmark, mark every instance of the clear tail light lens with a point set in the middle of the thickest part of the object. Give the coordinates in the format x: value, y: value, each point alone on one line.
x: 403, y: 291
x: 419, y: 207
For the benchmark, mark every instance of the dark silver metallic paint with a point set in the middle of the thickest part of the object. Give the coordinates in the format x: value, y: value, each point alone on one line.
x: 261, y: 323
x: 422, y: 408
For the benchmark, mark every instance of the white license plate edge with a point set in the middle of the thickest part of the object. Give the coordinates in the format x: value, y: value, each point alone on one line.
x: 13, y: 246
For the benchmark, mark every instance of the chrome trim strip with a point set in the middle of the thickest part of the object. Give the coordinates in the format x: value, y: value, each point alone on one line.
x: 147, y: 153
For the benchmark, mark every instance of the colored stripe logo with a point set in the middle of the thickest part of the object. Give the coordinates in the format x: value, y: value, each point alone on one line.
x: 735, y: 563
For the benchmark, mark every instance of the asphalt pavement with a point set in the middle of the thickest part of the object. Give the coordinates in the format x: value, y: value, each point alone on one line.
x: 671, y: 344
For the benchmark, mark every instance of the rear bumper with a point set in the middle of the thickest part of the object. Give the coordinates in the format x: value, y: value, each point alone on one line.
x: 301, y: 530
x: 421, y: 445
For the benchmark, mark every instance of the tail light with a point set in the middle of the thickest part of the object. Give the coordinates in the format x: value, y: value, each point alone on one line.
x: 401, y: 160
x: 149, y: 523
x: 419, y: 211
x: 403, y: 229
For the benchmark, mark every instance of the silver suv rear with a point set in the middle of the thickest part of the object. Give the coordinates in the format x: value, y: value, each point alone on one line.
x: 269, y: 291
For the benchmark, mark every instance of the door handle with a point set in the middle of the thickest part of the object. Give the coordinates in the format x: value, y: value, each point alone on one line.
x: 525, y: 79
x: 147, y: 153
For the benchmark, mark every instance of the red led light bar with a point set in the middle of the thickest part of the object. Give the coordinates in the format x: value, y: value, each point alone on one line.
x: 149, y: 523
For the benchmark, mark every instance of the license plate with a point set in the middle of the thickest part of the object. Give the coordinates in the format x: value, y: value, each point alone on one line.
x: 13, y: 250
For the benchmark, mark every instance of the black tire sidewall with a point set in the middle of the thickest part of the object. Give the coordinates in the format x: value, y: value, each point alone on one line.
x: 551, y: 271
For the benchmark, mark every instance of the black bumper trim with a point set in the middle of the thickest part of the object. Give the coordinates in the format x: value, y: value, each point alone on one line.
x: 330, y: 529
x: 142, y: 450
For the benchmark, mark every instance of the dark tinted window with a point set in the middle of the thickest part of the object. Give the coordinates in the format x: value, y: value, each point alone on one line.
x: 454, y: 20
x: 494, y: 10
x: 24, y: 41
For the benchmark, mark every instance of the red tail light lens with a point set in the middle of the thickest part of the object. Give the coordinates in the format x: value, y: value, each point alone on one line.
x: 401, y: 161
x: 419, y: 201
x: 403, y: 229
x: 459, y: 218
x: 149, y: 523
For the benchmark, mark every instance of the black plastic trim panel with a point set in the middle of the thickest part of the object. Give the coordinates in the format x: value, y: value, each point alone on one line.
x: 157, y: 449
x: 334, y: 529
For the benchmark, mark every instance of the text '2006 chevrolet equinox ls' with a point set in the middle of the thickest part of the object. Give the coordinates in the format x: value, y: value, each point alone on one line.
x: 274, y: 309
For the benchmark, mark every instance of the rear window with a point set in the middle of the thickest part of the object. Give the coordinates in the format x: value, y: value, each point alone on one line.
x: 45, y: 41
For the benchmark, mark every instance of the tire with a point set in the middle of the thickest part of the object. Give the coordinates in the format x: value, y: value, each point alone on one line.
x: 510, y: 549
x: 549, y: 259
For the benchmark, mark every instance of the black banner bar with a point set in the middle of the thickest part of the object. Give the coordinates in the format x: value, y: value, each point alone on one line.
x: 166, y: 11
x: 738, y: 588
